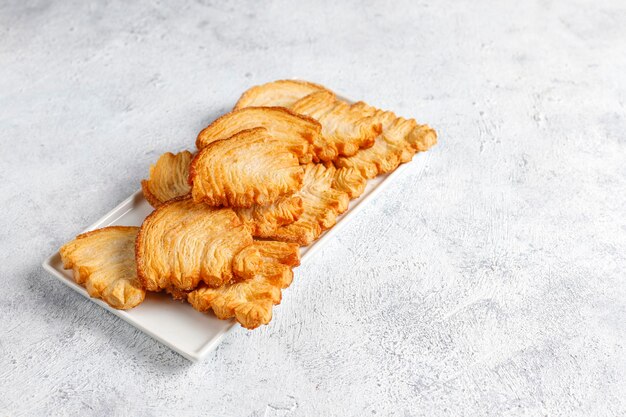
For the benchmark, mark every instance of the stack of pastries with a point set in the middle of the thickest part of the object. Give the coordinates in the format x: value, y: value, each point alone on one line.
x: 268, y: 177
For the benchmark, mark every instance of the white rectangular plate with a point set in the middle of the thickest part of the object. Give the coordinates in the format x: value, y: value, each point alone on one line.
x: 177, y: 325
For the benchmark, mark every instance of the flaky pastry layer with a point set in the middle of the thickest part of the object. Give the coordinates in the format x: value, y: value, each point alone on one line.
x: 282, y: 93
x: 323, y: 202
x: 399, y: 140
x: 263, y: 220
x: 183, y: 243
x: 103, y: 261
x: 295, y: 131
x: 345, y: 126
x: 248, y: 168
x: 350, y: 181
x: 168, y: 179
x: 262, y: 269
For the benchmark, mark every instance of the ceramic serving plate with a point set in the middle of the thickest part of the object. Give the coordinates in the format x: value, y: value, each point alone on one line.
x: 177, y: 325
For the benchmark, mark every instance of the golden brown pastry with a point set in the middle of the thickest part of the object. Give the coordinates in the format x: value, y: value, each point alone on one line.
x: 283, y: 93
x: 168, y: 178
x: 182, y: 243
x: 103, y: 261
x: 263, y: 220
x: 377, y: 154
x: 262, y: 270
x: 350, y: 181
x: 323, y: 202
x: 399, y: 141
x: 249, y: 168
x: 345, y: 126
x: 293, y: 130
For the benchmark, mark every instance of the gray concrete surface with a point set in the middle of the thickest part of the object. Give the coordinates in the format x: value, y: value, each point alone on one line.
x: 491, y: 282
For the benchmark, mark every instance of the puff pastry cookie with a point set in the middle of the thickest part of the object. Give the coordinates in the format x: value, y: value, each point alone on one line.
x: 283, y: 93
x: 182, y: 243
x: 262, y: 269
x: 251, y: 167
x: 265, y: 220
x: 168, y: 178
x: 350, y: 181
x: 399, y: 141
x: 171, y: 174
x: 295, y: 131
x: 103, y: 261
x: 323, y: 202
x: 347, y: 127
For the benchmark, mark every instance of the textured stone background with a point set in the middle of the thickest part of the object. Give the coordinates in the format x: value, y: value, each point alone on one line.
x: 490, y: 282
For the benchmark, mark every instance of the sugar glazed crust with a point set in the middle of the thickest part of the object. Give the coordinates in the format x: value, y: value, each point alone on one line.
x: 173, y: 179
x: 283, y: 93
x: 248, y: 168
x: 398, y: 142
x: 323, y: 202
x: 266, y: 220
x: 262, y: 269
x: 295, y: 131
x: 103, y: 261
x: 371, y: 140
x: 346, y: 126
x: 350, y: 181
x: 183, y: 243
x: 168, y: 178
